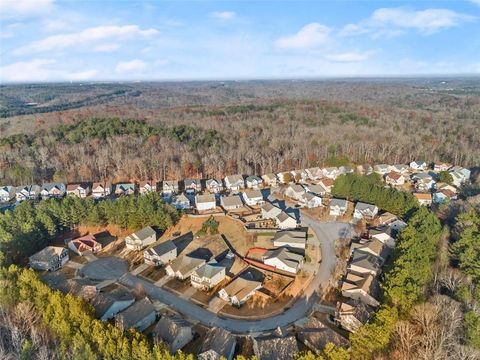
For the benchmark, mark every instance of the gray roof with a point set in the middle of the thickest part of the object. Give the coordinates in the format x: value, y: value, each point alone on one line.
x: 145, y: 233
x: 275, y: 348
x: 234, y: 179
x: 105, y: 299
x: 49, y: 186
x: 169, y: 327
x: 163, y: 248
x: 199, y: 199
x: 282, y: 216
x: 46, y: 254
x: 291, y: 236
x: 209, y: 270
x: 297, y: 188
x: 220, y: 341
x: 210, y: 182
x: 284, y: 255
x: 232, y: 200
x: 316, y: 335
x: 254, y: 178
x: 191, y: 182
x: 317, y: 188
x: 251, y: 194
x: 338, y: 202
x: 185, y: 263
x: 363, y: 206
x: 135, y: 313
x: 365, y: 260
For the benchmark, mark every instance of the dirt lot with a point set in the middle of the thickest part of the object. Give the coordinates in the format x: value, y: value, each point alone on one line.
x: 232, y: 229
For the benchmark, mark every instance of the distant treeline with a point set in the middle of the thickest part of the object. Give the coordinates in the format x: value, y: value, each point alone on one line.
x: 31, y: 226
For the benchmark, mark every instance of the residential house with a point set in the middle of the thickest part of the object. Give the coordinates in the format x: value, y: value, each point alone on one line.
x: 314, y: 173
x: 270, y: 211
x: 160, y: 254
x: 331, y: 172
x: 183, y: 266
x: 338, y: 207
x: 386, y: 218
x: 374, y: 246
x: 218, y: 344
x: 424, y: 199
x: 400, y: 168
x: 283, y: 259
x: 345, y: 170
x: 311, y: 200
x: 27, y: 192
x: 285, y: 177
x: 384, y: 235
x: 327, y: 184
x: 272, y: 347
x: 254, y: 182
x: 231, y: 202
x: 460, y: 175
x: 81, y: 190
x: 170, y: 187
x: 192, y: 186
x: 290, y: 238
x: 7, y: 193
x: 365, y: 263
x: 50, y: 258
x: 418, y: 165
x: 214, y: 186
x: 365, y: 169
x: 174, y: 331
x: 87, y: 243
x: 316, y: 335
x: 141, y: 239
x: 317, y: 189
x: 304, y: 176
x: 362, y: 287
x: 295, y: 192
x: 181, y: 202
x: 253, y: 197
x: 382, y: 169
x: 423, y: 181
x: 297, y: 175
x: 53, y: 190
x: 207, y: 276
x: 285, y: 221
x: 238, y: 291
x: 205, y: 202
x: 111, y: 300
x: 124, y: 189
x: 437, y: 167
x: 147, y: 186
x: 234, y: 182
x: 351, y: 315
x: 443, y: 195
x: 394, y: 178
x: 365, y: 211
x: 139, y: 316
x: 398, y: 225
x: 101, y: 189
x: 270, y: 180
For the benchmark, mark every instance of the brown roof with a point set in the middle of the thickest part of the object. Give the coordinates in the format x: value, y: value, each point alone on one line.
x: 327, y: 182
x: 394, y: 175
x: 423, y: 196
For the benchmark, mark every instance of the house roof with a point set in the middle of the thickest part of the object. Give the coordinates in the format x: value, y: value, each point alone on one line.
x: 234, y: 179
x: 182, y: 198
x: 253, y: 178
x: 49, y: 186
x: 241, y: 287
x: 375, y: 246
x: 317, y: 335
x: 253, y: 194
x: 185, y: 264
x: 382, y: 167
x: 104, y: 185
x: 135, y: 313
x: 423, y: 196
x: 231, y: 200
x: 213, y: 182
x: 208, y: 270
x: 357, y: 309
x: 284, y: 255
x: 291, y: 236
x: 275, y: 348
x: 283, y: 216
x: 162, y: 248
x: 169, y: 327
x: 148, y: 182
x: 202, y: 199
x: 297, y: 188
x: 327, y: 182
x: 170, y: 183
x: 342, y: 203
x: 191, y: 182
x: 47, y: 253
x: 220, y: 341
x: 105, y: 299
x: 365, y: 282
x: 310, y: 196
x: 400, y: 167
x: 394, y: 175
x: 125, y: 186
x: 365, y: 260
x: 360, y: 206
x: 317, y: 188
x: 144, y: 233
x: 269, y: 177
x: 75, y: 186
x: 87, y: 240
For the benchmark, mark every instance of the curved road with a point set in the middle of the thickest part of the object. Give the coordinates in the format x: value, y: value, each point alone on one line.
x: 327, y: 233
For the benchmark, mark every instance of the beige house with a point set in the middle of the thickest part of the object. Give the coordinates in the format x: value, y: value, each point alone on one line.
x: 141, y: 239
x: 173, y: 331
x: 207, y: 276
x: 50, y: 258
x: 183, y: 266
x: 351, y: 315
x: 363, y: 287
x: 238, y: 291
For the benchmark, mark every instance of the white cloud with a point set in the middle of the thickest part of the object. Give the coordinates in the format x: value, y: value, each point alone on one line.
x: 33, y: 70
x: 25, y: 8
x: 133, y: 66
x: 476, y: 2
x: 310, y: 36
x: 390, y: 22
x: 106, y: 47
x: 349, y: 56
x: 223, y: 15
x: 82, y: 75
x: 84, y: 38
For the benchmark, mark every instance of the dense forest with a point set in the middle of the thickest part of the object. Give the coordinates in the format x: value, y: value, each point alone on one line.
x: 178, y: 130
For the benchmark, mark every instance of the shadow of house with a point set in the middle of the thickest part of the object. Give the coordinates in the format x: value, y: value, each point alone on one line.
x: 183, y: 241
x: 295, y: 213
x: 105, y: 238
x: 201, y: 253
x: 266, y: 193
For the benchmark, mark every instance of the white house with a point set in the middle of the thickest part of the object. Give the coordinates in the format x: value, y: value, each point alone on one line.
x: 285, y: 221
x: 141, y: 239
x: 183, y: 266
x: 331, y: 172
x: 424, y: 199
x: 270, y: 211
x: 111, y: 300
x: 124, y: 189
x: 317, y: 189
x: 231, y: 202
x: 238, y: 291
x: 139, y: 316
x: 295, y: 192
x: 101, y: 189
x: 285, y: 177
x: 270, y: 180
x: 50, y: 258
x: 81, y: 190
x: 181, y: 202
x: 27, y: 192
x: 253, y: 197
x: 345, y: 170
x: 363, y: 287
x: 382, y: 169
x: 192, y: 186
x: 400, y: 168
x: 394, y: 178
x: 7, y: 193
x: 290, y: 238
x: 147, y: 186
x: 363, y: 210
x: 338, y: 207
x: 254, y: 182
x: 234, y: 182
x: 460, y: 175
x: 53, y: 190
x: 205, y: 202
x: 418, y: 165
x: 437, y: 167
x: 314, y: 173
x: 214, y: 186
x: 207, y: 276
x: 160, y: 254
x: 170, y: 187
x: 311, y: 200
x: 283, y: 259
x: 174, y: 331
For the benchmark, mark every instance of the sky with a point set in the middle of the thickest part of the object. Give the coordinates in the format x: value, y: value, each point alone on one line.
x: 80, y: 41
